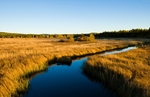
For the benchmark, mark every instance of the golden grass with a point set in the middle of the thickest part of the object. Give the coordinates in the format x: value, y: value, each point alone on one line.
x: 127, y: 74
x: 20, y: 57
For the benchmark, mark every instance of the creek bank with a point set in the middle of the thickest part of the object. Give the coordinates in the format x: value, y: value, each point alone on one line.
x: 63, y: 60
x: 126, y: 74
x: 40, y: 62
x: 67, y: 59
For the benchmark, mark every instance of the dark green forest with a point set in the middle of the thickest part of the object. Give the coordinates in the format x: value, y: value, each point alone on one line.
x: 133, y: 33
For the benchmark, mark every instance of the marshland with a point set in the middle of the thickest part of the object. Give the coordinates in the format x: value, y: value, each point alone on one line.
x: 74, y: 48
x: 125, y: 74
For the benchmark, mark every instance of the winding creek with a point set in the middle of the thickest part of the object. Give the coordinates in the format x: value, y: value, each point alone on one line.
x: 68, y: 81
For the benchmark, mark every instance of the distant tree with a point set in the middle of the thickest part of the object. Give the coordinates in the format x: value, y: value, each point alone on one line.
x: 51, y: 36
x: 91, y: 38
x: 69, y: 35
x: 71, y: 39
x: 59, y: 36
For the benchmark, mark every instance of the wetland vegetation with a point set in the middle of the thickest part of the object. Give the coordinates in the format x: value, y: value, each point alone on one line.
x: 126, y: 74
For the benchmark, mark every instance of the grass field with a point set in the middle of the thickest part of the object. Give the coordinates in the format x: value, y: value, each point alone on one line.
x: 20, y: 57
x: 127, y: 74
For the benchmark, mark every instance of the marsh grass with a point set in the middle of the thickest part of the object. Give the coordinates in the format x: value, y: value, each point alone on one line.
x: 127, y: 74
x: 24, y: 57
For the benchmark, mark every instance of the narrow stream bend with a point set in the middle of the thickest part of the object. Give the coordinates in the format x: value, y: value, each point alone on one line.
x: 68, y: 81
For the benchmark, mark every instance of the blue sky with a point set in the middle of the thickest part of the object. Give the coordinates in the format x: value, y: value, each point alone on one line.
x: 73, y: 16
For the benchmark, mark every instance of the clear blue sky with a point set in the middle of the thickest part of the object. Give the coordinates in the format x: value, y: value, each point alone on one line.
x: 73, y: 16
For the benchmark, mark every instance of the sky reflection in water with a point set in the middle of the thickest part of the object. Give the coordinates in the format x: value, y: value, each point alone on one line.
x: 65, y: 81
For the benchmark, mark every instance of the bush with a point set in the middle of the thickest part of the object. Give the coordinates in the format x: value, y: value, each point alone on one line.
x: 71, y: 39
x: 91, y: 38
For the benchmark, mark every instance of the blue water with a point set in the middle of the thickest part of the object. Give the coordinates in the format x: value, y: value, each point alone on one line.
x: 67, y: 81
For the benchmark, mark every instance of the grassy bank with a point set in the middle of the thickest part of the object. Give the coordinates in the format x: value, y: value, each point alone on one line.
x: 21, y: 57
x: 127, y: 74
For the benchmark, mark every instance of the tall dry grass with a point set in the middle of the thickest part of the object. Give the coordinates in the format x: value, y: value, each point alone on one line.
x: 21, y: 57
x: 127, y: 74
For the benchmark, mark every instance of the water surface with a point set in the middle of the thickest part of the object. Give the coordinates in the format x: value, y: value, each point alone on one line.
x: 68, y: 81
x: 119, y: 51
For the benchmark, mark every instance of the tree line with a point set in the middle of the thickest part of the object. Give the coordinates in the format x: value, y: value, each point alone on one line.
x: 133, y: 33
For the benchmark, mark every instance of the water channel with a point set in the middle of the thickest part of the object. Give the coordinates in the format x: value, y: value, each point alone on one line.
x: 68, y: 81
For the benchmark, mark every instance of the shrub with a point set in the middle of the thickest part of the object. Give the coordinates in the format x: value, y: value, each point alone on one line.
x: 71, y: 39
x: 91, y: 38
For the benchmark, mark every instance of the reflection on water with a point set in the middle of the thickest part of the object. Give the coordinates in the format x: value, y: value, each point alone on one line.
x: 65, y: 81
x: 68, y: 80
x: 119, y: 51
x: 64, y: 61
x: 59, y: 64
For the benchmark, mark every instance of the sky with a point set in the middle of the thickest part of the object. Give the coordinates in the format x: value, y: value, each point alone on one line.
x: 73, y: 16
